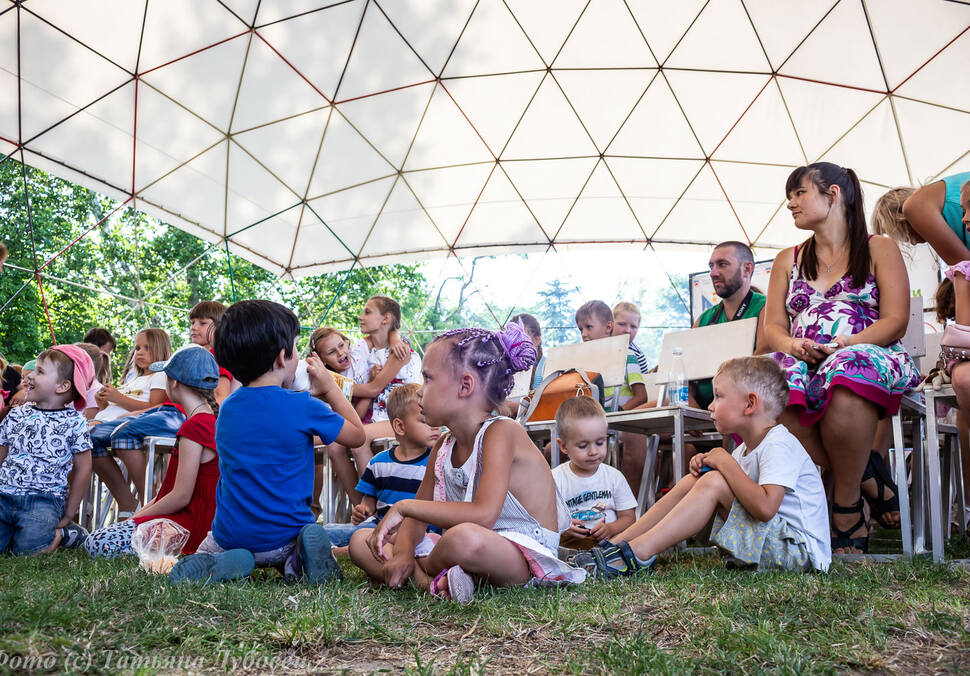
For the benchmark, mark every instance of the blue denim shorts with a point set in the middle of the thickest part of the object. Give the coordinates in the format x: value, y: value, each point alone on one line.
x: 339, y: 533
x: 128, y: 433
x: 27, y: 522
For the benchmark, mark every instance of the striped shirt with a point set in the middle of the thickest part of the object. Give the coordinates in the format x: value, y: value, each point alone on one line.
x: 389, y: 479
x: 641, y: 358
x: 633, y: 376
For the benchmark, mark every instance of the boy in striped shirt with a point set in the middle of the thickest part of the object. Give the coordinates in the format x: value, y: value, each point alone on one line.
x: 394, y: 474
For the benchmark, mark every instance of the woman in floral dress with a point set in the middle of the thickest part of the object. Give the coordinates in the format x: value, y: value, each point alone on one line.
x: 837, y: 306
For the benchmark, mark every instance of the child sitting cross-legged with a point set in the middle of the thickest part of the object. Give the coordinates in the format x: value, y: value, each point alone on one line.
x: 486, y: 483
x: 598, y: 497
x: 394, y: 474
x: 40, y: 442
x: 264, y: 435
x: 766, y: 498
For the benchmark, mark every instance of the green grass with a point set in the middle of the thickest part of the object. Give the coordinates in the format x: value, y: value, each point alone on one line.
x: 68, y: 613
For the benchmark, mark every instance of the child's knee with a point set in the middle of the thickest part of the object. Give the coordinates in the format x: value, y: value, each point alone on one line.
x: 465, y: 539
x: 359, y: 549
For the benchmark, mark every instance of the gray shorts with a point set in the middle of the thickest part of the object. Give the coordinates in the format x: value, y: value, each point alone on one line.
x: 767, y: 545
x: 284, y: 558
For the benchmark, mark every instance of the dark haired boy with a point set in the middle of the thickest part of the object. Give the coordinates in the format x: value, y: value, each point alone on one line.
x: 264, y: 436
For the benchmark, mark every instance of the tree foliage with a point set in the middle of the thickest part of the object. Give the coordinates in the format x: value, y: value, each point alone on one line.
x: 155, y: 272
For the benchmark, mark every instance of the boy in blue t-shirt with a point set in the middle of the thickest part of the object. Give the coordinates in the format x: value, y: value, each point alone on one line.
x: 394, y: 474
x: 264, y: 437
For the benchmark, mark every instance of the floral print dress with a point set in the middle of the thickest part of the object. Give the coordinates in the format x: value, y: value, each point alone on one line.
x: 880, y: 374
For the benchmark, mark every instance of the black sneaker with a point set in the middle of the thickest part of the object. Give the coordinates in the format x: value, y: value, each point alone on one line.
x: 73, y: 535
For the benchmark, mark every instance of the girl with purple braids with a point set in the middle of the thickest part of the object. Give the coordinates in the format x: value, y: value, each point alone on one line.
x: 487, y: 485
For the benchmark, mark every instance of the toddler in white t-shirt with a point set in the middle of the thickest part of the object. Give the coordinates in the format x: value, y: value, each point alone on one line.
x: 766, y: 498
x: 598, y: 497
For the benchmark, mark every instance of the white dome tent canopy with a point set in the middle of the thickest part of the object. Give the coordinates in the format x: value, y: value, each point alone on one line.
x: 310, y: 137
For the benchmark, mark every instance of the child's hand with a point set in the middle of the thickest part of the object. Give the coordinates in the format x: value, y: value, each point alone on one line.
x: 716, y: 458
x: 399, y: 348
x: 321, y: 382
x: 696, y: 463
x: 375, y: 371
x: 398, y: 570
x: 360, y: 513
x: 109, y: 395
x: 63, y: 522
x: 578, y: 529
x: 601, y: 531
x: 381, y: 535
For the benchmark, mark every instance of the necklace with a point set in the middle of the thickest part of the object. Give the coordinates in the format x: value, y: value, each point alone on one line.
x: 192, y: 412
x: 828, y: 266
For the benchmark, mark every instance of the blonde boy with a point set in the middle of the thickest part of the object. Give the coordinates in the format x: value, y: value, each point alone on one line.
x: 600, y: 501
x: 626, y: 319
x: 595, y: 320
x: 394, y: 474
x: 766, y: 498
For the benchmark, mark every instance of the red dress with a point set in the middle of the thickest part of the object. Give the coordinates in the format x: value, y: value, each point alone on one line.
x: 196, y: 517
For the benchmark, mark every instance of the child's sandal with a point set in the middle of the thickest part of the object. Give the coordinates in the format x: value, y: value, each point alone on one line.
x: 461, y: 587
x: 613, y: 560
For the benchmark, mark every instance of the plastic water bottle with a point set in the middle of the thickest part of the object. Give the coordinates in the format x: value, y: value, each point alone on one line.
x: 677, y: 379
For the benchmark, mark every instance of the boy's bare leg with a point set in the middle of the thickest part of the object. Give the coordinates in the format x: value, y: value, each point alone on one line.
x: 659, y: 510
x: 708, y: 495
x: 317, y: 490
x: 344, y: 469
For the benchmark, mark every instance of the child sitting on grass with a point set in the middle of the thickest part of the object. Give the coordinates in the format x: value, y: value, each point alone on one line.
x: 265, y: 439
x: 486, y: 483
x: 40, y: 442
x: 188, y: 492
x: 599, y: 500
x: 766, y: 498
x: 394, y: 474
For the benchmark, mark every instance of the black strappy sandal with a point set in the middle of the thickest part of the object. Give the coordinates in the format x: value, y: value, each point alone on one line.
x: 842, y: 539
x: 879, y: 505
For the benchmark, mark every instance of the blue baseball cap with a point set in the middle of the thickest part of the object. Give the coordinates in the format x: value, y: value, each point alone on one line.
x: 192, y: 365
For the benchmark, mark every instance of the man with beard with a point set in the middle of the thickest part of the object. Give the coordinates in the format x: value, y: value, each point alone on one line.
x: 732, y: 265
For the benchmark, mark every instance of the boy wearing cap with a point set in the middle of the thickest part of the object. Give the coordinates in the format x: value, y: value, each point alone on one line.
x: 39, y: 443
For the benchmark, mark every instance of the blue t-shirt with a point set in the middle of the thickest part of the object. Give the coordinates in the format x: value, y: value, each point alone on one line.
x: 389, y: 479
x: 265, y: 441
x: 952, y: 212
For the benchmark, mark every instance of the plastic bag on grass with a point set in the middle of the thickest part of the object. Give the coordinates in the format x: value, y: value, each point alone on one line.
x: 158, y: 543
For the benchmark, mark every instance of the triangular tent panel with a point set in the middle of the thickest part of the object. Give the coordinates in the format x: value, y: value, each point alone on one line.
x: 501, y: 125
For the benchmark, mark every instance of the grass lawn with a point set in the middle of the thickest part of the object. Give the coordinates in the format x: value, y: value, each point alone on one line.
x: 69, y: 613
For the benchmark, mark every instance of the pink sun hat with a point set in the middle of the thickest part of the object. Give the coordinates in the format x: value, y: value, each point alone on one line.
x: 83, y: 372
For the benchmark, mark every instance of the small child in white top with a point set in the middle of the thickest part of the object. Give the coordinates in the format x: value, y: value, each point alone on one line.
x: 767, y: 498
x: 598, y: 497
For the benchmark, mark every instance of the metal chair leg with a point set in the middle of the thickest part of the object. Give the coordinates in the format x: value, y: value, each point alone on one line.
x: 647, y: 494
x: 933, y: 482
x: 905, y: 514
